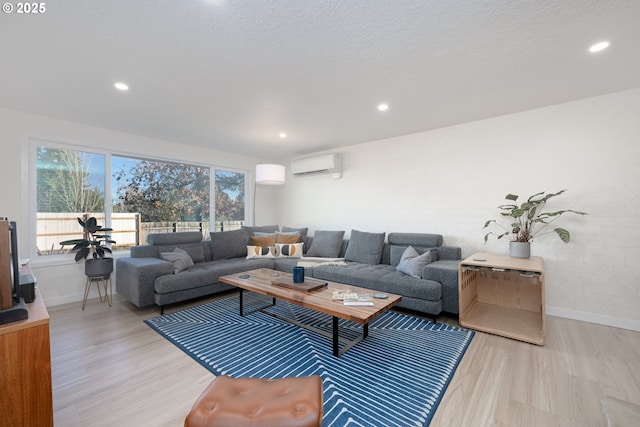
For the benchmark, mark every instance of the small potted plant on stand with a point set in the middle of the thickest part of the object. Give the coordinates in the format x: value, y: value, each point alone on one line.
x: 528, y: 221
x: 94, y: 242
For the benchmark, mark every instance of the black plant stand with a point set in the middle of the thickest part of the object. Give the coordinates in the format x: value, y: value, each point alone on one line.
x: 100, y: 281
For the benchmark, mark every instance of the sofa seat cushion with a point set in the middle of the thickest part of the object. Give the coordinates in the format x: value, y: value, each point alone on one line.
x: 206, y: 273
x: 381, y: 277
x: 287, y: 264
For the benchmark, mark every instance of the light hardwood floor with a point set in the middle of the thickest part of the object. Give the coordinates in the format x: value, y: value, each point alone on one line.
x: 111, y: 369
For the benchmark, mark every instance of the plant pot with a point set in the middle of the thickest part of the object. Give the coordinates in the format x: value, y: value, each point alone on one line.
x: 98, y: 267
x: 520, y: 249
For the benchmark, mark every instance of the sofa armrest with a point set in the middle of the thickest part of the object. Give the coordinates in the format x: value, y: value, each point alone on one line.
x: 145, y: 251
x: 445, y: 272
x: 449, y: 252
x: 135, y: 277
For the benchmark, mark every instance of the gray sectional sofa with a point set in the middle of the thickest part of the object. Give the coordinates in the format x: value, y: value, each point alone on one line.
x: 160, y: 273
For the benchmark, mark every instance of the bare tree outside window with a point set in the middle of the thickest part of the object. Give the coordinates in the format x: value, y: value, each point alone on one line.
x: 69, y: 181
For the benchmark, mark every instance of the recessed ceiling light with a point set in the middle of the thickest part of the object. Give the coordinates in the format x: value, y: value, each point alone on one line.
x: 598, y: 47
x: 282, y: 135
x: 383, y: 107
x: 121, y: 86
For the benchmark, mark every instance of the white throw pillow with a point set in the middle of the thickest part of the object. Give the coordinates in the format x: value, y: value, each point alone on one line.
x: 261, y: 252
x: 412, y: 262
x: 289, y: 250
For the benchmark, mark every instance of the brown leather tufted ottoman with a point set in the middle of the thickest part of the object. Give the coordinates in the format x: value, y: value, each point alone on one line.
x: 256, y: 402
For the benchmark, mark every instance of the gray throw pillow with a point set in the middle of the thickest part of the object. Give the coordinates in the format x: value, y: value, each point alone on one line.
x: 412, y: 262
x: 179, y: 258
x: 396, y: 252
x: 229, y: 244
x: 326, y: 244
x: 365, y: 247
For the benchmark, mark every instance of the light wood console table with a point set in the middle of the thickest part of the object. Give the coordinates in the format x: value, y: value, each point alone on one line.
x: 25, y: 369
x: 502, y: 295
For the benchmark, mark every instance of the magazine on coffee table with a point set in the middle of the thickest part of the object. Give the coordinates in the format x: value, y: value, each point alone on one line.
x: 342, y: 295
x: 352, y: 298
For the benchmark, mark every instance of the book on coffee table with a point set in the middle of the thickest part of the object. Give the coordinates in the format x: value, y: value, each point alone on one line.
x: 342, y: 295
x: 307, y: 286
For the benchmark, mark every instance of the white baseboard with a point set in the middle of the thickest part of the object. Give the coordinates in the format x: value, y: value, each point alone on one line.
x: 600, y: 319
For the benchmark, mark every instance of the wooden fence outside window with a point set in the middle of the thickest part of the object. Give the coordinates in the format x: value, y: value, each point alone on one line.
x: 128, y: 229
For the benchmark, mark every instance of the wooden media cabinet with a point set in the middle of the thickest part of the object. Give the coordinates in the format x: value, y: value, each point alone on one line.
x: 502, y: 295
x: 25, y: 369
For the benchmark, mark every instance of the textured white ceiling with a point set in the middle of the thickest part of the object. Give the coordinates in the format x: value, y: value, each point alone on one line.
x: 232, y: 74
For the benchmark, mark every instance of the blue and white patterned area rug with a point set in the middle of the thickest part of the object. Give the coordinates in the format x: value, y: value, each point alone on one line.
x: 395, y: 377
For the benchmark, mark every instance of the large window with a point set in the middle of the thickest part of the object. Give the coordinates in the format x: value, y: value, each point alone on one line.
x: 153, y: 196
x: 134, y: 196
x: 70, y: 184
x: 229, y: 201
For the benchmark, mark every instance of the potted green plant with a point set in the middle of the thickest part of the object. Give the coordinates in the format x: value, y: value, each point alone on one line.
x: 94, y: 243
x: 528, y: 220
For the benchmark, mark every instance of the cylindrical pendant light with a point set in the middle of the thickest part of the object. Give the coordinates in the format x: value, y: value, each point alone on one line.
x: 270, y: 174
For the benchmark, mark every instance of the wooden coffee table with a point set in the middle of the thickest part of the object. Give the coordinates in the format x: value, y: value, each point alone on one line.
x: 260, y: 281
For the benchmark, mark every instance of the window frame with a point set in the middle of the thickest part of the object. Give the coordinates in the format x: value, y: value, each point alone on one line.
x: 60, y: 259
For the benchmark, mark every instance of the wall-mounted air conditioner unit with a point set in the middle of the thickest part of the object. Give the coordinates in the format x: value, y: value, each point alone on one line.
x: 323, y: 164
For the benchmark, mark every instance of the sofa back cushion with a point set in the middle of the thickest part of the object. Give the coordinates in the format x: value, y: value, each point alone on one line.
x: 365, y: 247
x: 229, y: 244
x: 326, y: 244
x: 190, y: 241
x: 416, y: 239
x: 158, y: 239
x: 250, y: 229
x: 421, y: 242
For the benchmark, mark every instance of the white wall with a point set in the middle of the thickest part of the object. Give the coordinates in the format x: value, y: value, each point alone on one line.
x: 451, y: 180
x: 64, y: 282
x: 446, y: 181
